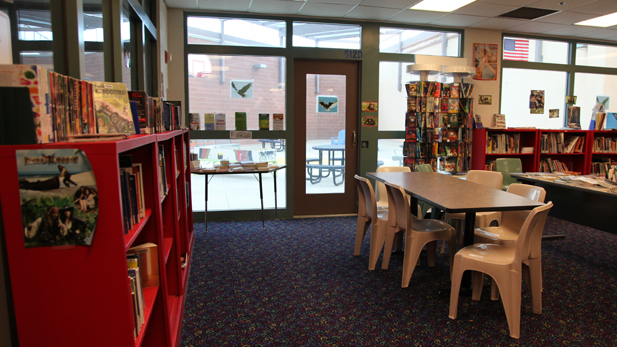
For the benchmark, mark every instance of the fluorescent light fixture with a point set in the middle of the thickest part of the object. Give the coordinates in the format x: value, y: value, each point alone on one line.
x: 602, y: 21
x: 441, y: 5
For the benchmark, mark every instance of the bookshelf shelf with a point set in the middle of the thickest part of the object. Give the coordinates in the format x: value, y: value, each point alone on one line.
x: 510, y: 142
x: 89, y: 284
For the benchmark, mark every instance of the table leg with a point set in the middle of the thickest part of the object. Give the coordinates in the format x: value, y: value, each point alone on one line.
x: 206, y: 209
x: 275, y: 204
x: 261, y: 196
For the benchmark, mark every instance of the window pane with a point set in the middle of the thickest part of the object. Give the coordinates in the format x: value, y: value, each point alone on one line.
x: 393, y: 40
x: 538, y: 51
x: 517, y: 85
x: 241, y: 191
x: 93, y: 27
x: 235, y: 32
x: 587, y: 87
x: 218, y: 84
x: 392, y: 96
x: 390, y: 152
x: 45, y: 59
x: 125, y: 34
x: 35, y: 25
x: 95, y: 66
x: 326, y: 35
x: 596, y: 55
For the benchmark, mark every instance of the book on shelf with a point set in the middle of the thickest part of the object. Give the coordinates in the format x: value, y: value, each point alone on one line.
x: 574, y: 117
x: 135, y: 116
x: 147, y: 254
x: 278, y: 121
x: 134, y: 275
x: 112, y: 108
x: 264, y: 121
x: 500, y: 121
x: 126, y: 165
x: 177, y: 119
x: 220, y: 121
x: 241, y: 121
x: 208, y: 121
x: 36, y: 80
x: 195, y: 121
x: 138, y: 172
x: 143, y: 111
x: 166, y: 115
x: 162, y: 172
x: 136, y: 317
x: 125, y: 202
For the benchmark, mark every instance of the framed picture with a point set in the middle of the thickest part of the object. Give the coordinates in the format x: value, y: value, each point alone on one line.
x: 369, y: 106
x: 369, y: 121
x: 241, y: 89
x: 485, y: 61
x: 327, y: 104
x: 485, y: 100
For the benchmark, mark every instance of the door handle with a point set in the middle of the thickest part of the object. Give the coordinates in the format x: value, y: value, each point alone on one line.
x: 354, y: 139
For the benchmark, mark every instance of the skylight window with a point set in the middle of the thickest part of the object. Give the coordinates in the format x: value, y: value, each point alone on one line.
x: 602, y: 21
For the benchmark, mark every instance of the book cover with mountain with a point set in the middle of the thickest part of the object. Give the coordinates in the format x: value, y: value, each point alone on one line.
x: 112, y: 108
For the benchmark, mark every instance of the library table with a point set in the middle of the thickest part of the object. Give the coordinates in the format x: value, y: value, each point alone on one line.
x: 593, y: 207
x: 259, y: 174
x: 451, y: 194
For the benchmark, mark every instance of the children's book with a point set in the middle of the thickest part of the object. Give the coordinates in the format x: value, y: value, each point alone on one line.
x: 112, y: 108
x: 240, y: 121
x: 411, y: 89
x: 220, y: 121
x: 412, y: 120
x: 208, y: 121
x: 264, y: 121
x: 453, y: 105
x: 194, y: 121
x: 412, y: 104
x: 278, y: 121
x: 455, y: 89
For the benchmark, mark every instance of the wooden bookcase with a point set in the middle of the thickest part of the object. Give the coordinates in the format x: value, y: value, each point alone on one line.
x: 490, y: 144
x: 80, y: 295
x: 603, y: 151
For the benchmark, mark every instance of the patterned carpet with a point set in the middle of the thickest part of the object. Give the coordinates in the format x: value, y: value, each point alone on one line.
x: 297, y: 283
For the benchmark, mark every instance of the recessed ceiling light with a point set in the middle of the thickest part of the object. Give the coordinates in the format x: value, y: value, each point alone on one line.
x: 602, y: 21
x: 441, y: 5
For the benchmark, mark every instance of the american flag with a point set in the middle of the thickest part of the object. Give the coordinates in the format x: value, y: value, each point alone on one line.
x: 516, y: 49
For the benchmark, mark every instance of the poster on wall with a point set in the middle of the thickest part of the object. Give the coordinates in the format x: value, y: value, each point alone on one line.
x: 536, y: 102
x: 369, y: 121
x: 241, y: 89
x: 485, y: 61
x: 327, y: 104
x: 59, y: 197
x: 369, y: 106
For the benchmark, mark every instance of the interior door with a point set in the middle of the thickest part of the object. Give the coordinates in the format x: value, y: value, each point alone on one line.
x: 325, y: 136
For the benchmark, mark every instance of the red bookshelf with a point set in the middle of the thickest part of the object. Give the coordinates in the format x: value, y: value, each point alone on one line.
x: 483, y: 151
x: 79, y: 295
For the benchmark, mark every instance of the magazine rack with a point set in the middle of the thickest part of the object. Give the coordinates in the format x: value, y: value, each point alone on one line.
x: 80, y: 295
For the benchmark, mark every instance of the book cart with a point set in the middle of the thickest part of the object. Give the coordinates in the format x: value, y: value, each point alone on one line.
x: 81, y: 295
x: 603, y: 152
x: 490, y: 144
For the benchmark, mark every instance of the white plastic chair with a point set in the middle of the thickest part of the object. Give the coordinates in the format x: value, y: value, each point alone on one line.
x: 507, y: 233
x: 505, y: 265
x: 381, y: 195
x: 368, y: 214
x: 418, y: 232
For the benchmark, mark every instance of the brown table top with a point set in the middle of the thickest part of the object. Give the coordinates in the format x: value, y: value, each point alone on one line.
x: 454, y: 195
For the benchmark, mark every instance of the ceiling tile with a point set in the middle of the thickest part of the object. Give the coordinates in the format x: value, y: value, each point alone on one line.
x: 517, y: 3
x: 319, y: 9
x: 569, y: 30
x: 603, y: 34
x: 400, y: 4
x: 600, y: 7
x: 275, y: 6
x: 566, y: 17
x: 484, y: 9
x: 374, y: 13
x: 186, y: 4
x: 534, y: 27
x: 343, y: 2
x: 555, y: 4
x: 497, y: 23
x: 223, y: 5
x: 458, y: 20
x: 417, y: 17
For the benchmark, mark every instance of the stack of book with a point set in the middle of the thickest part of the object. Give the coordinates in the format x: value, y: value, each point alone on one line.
x: 143, y: 272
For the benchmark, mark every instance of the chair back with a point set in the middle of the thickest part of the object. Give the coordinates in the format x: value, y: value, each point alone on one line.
x: 506, y: 166
x: 424, y: 168
x: 515, y: 219
x: 531, y: 232
x: 398, y: 214
x: 366, y: 196
x: 381, y: 195
x: 491, y: 179
x: 340, y: 139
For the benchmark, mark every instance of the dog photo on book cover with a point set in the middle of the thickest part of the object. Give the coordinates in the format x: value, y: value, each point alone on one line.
x: 59, y: 197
